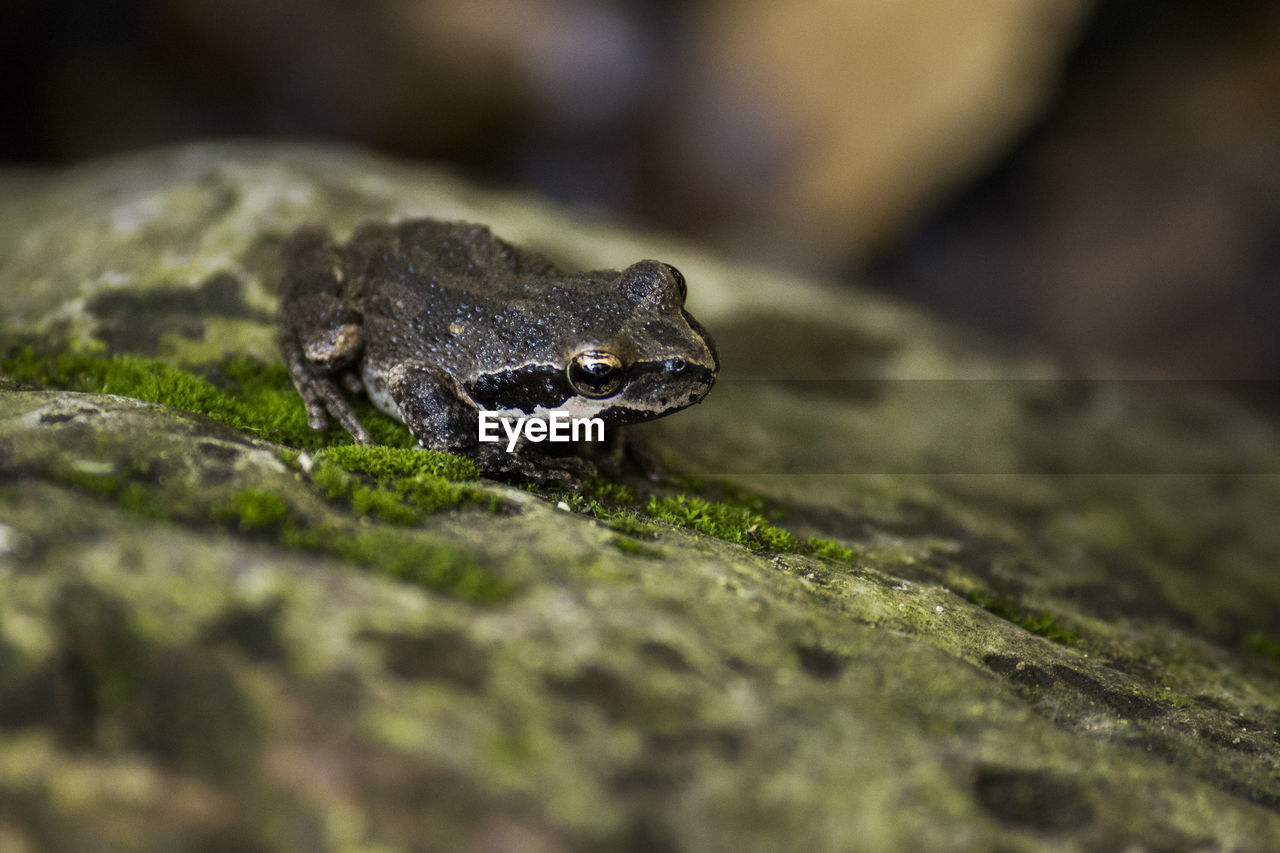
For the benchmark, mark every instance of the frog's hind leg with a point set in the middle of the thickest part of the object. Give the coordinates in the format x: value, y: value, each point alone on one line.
x: 321, y: 395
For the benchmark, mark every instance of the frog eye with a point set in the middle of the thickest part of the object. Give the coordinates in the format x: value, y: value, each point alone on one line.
x: 596, y: 373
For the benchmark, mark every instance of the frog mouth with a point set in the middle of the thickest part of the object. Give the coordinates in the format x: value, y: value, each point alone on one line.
x: 655, y: 390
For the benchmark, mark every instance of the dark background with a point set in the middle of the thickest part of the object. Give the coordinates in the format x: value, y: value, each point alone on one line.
x: 1112, y: 188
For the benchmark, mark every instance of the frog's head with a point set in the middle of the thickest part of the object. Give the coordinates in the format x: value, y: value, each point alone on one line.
x: 614, y: 345
x: 649, y: 359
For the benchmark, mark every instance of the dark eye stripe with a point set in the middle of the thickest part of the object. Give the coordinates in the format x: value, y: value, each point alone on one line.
x: 524, y: 388
x: 690, y: 371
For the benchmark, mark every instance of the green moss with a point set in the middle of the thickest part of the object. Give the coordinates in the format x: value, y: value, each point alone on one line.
x: 243, y: 393
x: 1041, y: 624
x: 740, y: 516
x: 259, y: 398
x: 743, y: 517
x: 740, y: 521
x: 391, y: 481
x: 626, y: 523
x: 385, y: 504
x: 578, y: 503
x: 827, y: 549
x: 407, y: 484
x: 254, y: 509
x: 396, y: 463
x: 385, y: 551
x: 726, y: 521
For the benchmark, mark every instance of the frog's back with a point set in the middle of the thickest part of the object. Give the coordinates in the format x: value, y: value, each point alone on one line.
x: 459, y: 256
x: 448, y: 293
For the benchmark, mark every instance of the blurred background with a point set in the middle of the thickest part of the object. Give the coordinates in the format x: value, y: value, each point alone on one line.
x: 1096, y: 176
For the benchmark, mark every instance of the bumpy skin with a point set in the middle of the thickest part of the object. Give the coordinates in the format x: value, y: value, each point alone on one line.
x: 438, y: 320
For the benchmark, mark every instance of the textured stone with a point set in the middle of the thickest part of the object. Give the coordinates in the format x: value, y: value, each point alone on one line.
x: 1052, y: 623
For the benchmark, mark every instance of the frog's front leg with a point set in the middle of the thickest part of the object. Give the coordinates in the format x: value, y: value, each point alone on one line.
x: 320, y: 394
x: 434, y: 406
x: 442, y: 416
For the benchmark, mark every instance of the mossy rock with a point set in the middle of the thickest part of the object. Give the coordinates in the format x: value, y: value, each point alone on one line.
x: 909, y: 591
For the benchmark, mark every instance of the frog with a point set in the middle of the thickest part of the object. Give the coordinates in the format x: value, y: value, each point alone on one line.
x: 438, y: 321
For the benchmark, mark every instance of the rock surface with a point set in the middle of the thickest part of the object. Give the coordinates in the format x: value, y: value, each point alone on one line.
x: 1015, y: 610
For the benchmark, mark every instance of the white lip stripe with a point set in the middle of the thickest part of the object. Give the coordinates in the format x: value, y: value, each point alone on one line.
x: 576, y: 407
x: 706, y: 363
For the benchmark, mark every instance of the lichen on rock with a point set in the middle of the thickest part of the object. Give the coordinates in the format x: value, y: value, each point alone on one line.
x: 912, y: 592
